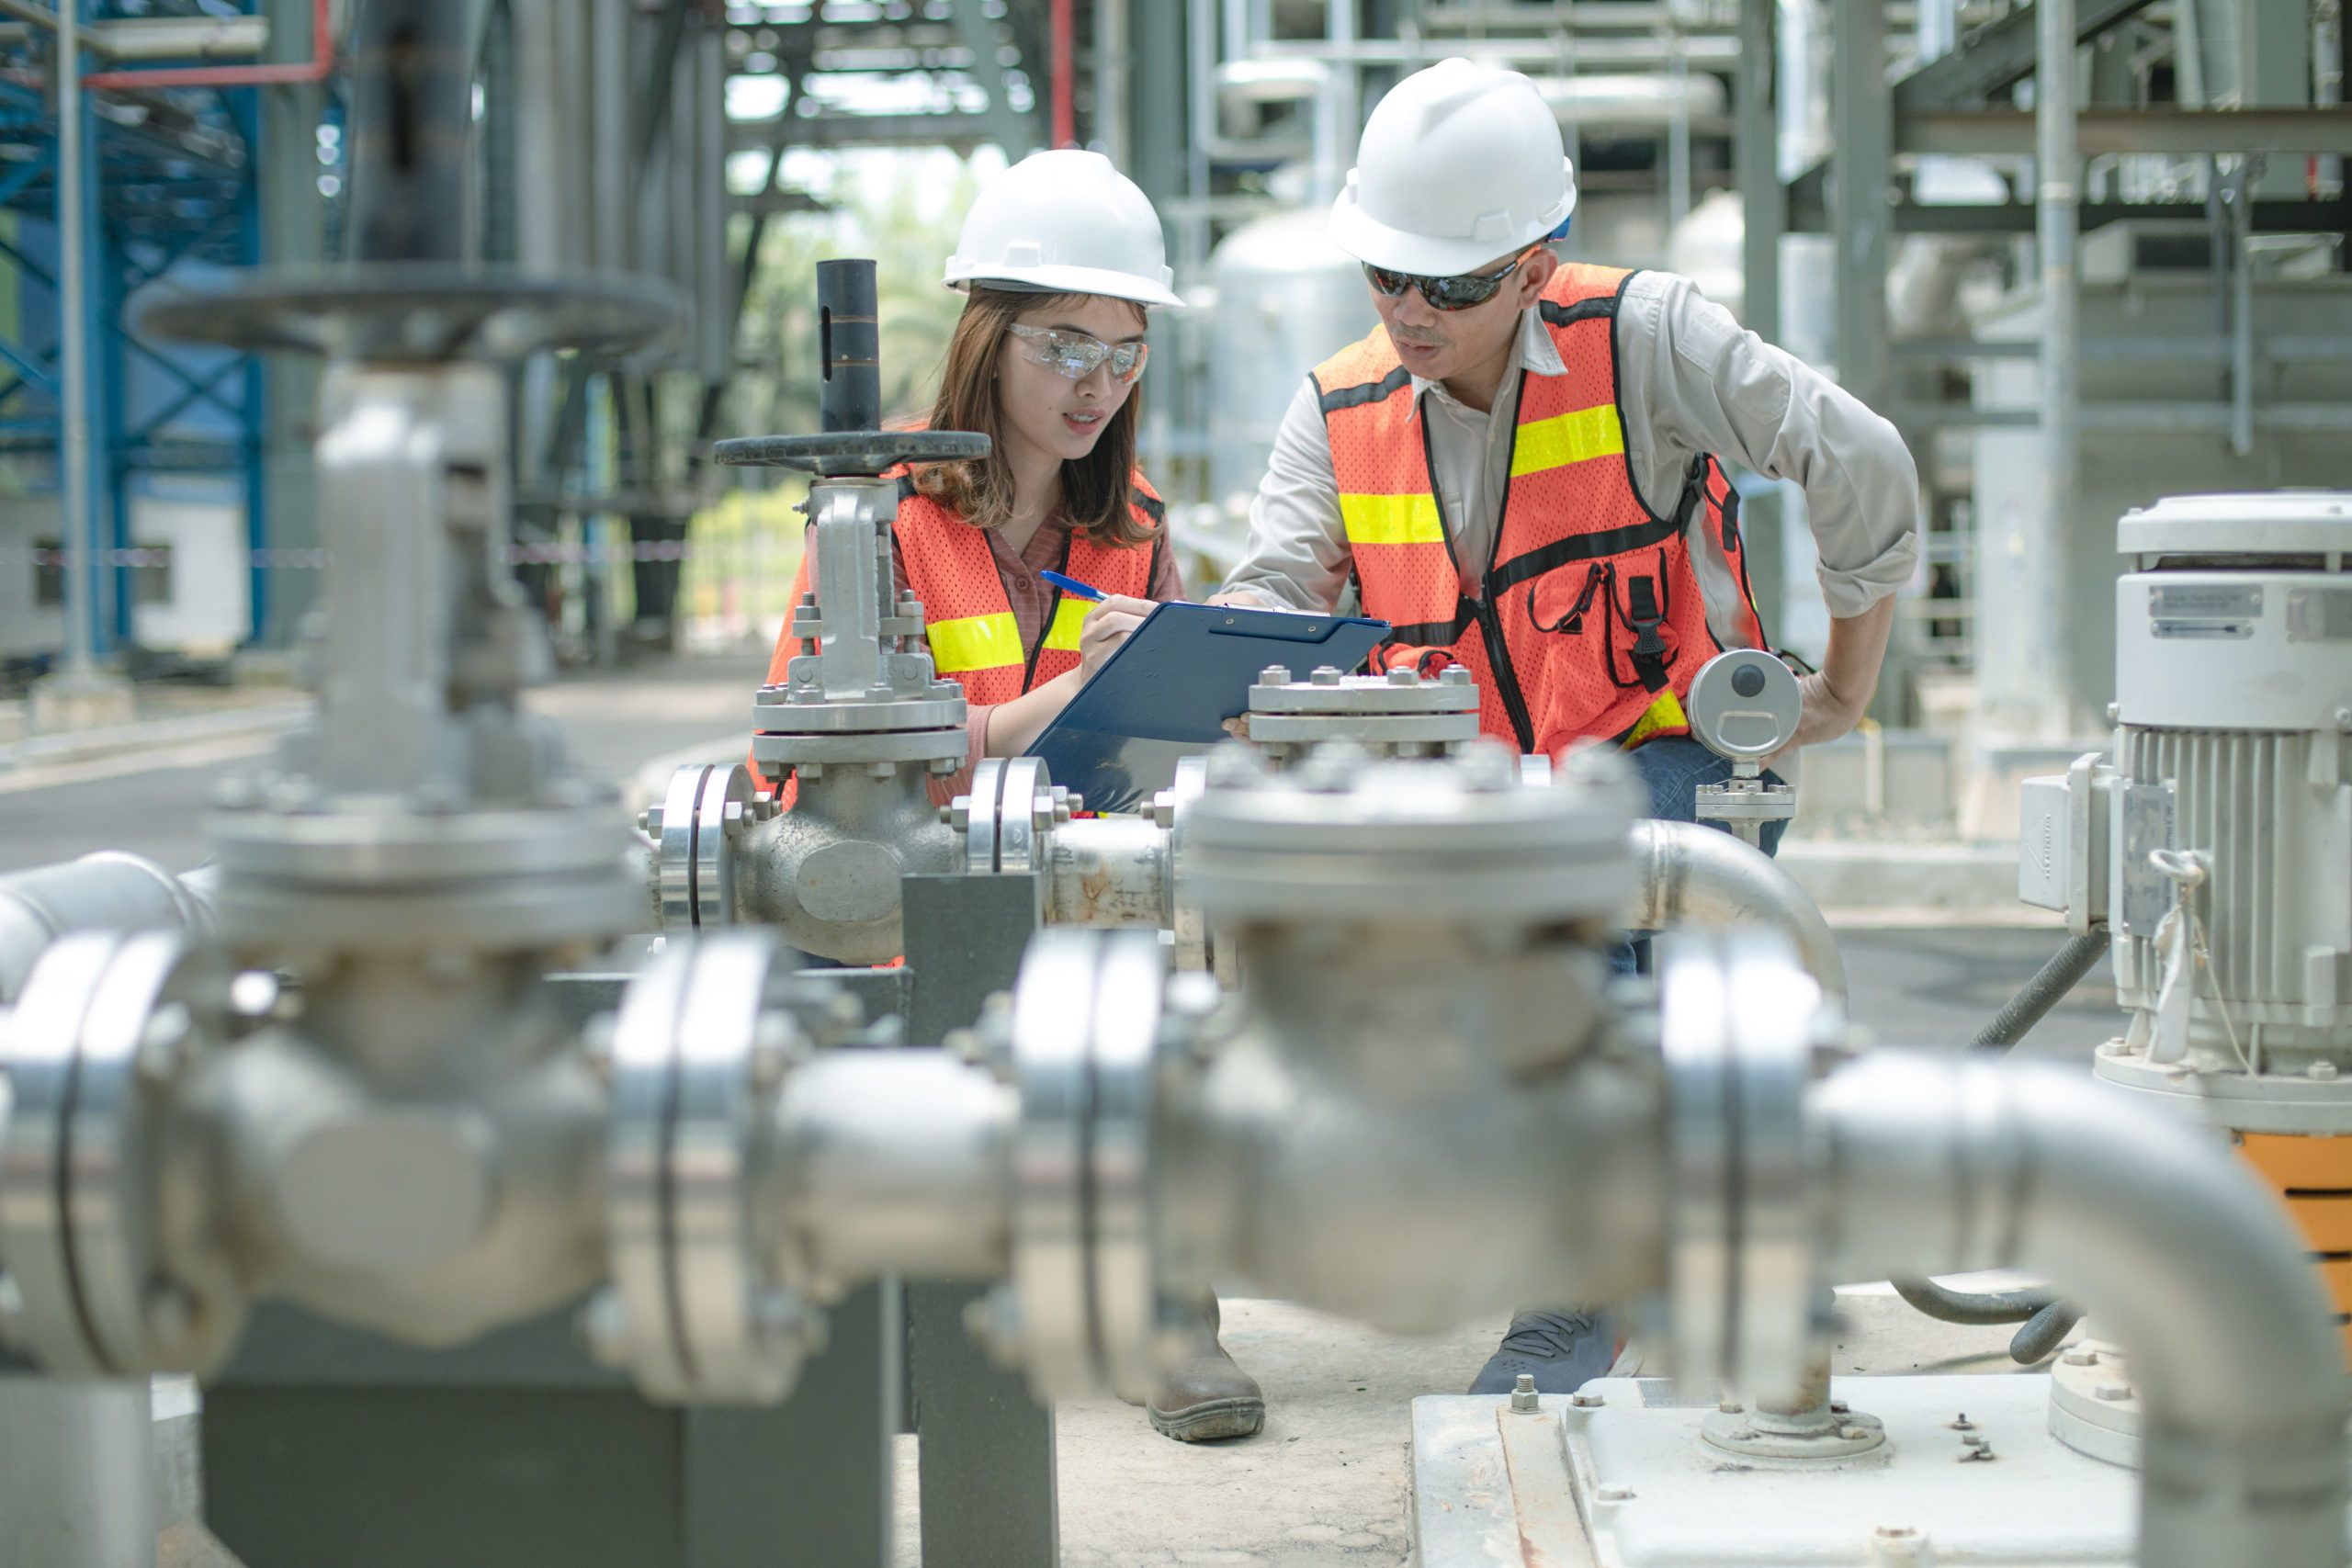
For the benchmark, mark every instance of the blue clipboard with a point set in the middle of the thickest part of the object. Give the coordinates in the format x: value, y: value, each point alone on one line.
x: 1167, y: 691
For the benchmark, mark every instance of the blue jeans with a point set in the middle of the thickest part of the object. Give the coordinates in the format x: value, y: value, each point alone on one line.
x: 1674, y: 766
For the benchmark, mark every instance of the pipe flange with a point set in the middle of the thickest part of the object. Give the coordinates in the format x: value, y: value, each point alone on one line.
x: 1008, y: 820
x: 694, y: 1311
x: 1086, y: 1028
x: 861, y: 749
x: 299, y: 870
x: 707, y: 806
x: 775, y: 712
x: 105, y: 1029
x: 1191, y: 947
x: 1395, y: 715
x: 1737, y: 1018
x: 1832, y: 1431
x: 2094, y: 1404
x: 1349, y: 838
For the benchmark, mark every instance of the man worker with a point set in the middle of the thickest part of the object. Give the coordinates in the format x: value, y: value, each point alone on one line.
x: 1523, y: 469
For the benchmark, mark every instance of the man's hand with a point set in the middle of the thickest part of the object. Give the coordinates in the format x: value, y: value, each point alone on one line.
x: 1239, y: 726
x: 1838, y: 694
x: 1245, y: 598
x: 1107, y: 626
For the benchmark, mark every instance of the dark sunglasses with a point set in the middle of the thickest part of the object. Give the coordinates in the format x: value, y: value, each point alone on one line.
x: 1457, y: 293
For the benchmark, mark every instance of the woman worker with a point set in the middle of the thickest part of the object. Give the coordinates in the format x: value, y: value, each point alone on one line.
x: 1061, y: 258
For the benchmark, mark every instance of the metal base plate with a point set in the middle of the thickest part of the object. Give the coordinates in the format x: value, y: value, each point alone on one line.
x: 1630, y: 1483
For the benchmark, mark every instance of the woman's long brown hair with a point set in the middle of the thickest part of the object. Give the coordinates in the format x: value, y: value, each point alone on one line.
x: 1094, y: 489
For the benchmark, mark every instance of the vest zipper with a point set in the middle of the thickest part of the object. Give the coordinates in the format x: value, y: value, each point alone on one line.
x: 1490, y: 621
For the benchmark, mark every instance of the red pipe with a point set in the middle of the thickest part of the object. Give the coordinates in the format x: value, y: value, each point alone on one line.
x: 1065, y: 109
x: 318, y: 68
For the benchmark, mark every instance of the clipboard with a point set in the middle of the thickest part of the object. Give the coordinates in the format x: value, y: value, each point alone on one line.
x: 1164, y: 694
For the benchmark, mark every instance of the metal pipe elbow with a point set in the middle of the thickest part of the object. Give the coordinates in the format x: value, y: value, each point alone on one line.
x: 106, y: 891
x: 1932, y: 1165
x: 1693, y: 876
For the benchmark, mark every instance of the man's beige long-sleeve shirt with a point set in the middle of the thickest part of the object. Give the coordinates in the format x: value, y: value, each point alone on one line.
x: 1690, y: 381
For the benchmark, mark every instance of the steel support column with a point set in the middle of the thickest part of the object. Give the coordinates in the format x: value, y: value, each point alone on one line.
x: 1860, y: 167
x: 988, y: 1446
x: 293, y: 233
x: 1763, y: 198
x: 2057, y: 171
x: 79, y: 461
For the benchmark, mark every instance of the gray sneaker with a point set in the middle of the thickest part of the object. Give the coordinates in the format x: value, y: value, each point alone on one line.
x: 1561, y: 1351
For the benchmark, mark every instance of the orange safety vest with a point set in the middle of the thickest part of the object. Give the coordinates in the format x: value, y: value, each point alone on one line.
x: 967, y: 617
x: 1590, y: 622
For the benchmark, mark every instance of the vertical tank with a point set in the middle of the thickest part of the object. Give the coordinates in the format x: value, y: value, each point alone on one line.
x: 1286, y: 299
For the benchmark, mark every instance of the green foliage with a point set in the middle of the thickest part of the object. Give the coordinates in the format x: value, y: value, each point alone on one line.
x: 908, y: 232
x: 738, y: 582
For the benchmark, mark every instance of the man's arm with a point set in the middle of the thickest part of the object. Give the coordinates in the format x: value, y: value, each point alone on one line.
x: 1297, y: 554
x: 1702, y: 383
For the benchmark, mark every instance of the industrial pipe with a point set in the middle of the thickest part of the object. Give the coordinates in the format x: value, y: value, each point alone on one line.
x: 898, y: 1164
x: 1064, y: 55
x: 411, y: 122
x: 106, y: 891
x: 1701, y: 876
x: 1931, y: 1165
x: 318, y: 68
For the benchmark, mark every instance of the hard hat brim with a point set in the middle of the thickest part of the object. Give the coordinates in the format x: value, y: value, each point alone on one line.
x: 1376, y: 243
x: 1064, y: 281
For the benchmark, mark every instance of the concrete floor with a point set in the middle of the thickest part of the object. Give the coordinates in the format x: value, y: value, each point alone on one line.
x: 1325, y: 1482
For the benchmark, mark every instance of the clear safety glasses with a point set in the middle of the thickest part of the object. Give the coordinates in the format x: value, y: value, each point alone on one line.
x: 1076, y: 355
x: 1457, y: 293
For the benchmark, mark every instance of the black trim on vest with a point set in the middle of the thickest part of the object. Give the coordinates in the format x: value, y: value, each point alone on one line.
x: 1152, y: 506
x: 907, y: 492
x: 1535, y: 563
x: 1617, y: 390
x: 1045, y: 627
x: 1159, y: 549
x: 1490, y: 620
x: 1590, y: 310
x: 1369, y: 392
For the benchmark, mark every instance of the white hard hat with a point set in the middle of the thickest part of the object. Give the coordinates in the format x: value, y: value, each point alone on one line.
x: 1460, y: 164
x: 1064, y: 222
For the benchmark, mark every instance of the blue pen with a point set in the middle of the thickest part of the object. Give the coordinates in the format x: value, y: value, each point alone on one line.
x: 1073, y: 587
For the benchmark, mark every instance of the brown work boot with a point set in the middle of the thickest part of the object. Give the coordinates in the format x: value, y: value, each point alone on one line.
x: 1205, y: 1396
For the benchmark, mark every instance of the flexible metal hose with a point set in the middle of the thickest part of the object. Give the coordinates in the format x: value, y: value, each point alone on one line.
x: 1975, y: 1307
x: 2049, y: 985
x: 2038, y: 1308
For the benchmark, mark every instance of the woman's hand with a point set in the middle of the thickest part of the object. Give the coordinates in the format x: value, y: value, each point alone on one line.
x: 1108, y: 625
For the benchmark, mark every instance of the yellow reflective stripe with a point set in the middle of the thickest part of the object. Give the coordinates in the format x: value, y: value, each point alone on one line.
x: 1567, y: 438
x: 1391, y: 518
x: 973, y: 642
x: 1664, y: 713
x: 1070, y: 618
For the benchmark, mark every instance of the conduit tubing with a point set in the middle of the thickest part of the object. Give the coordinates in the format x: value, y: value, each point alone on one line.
x: 1703, y: 876
x: 2048, y: 987
x: 1936, y: 1166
